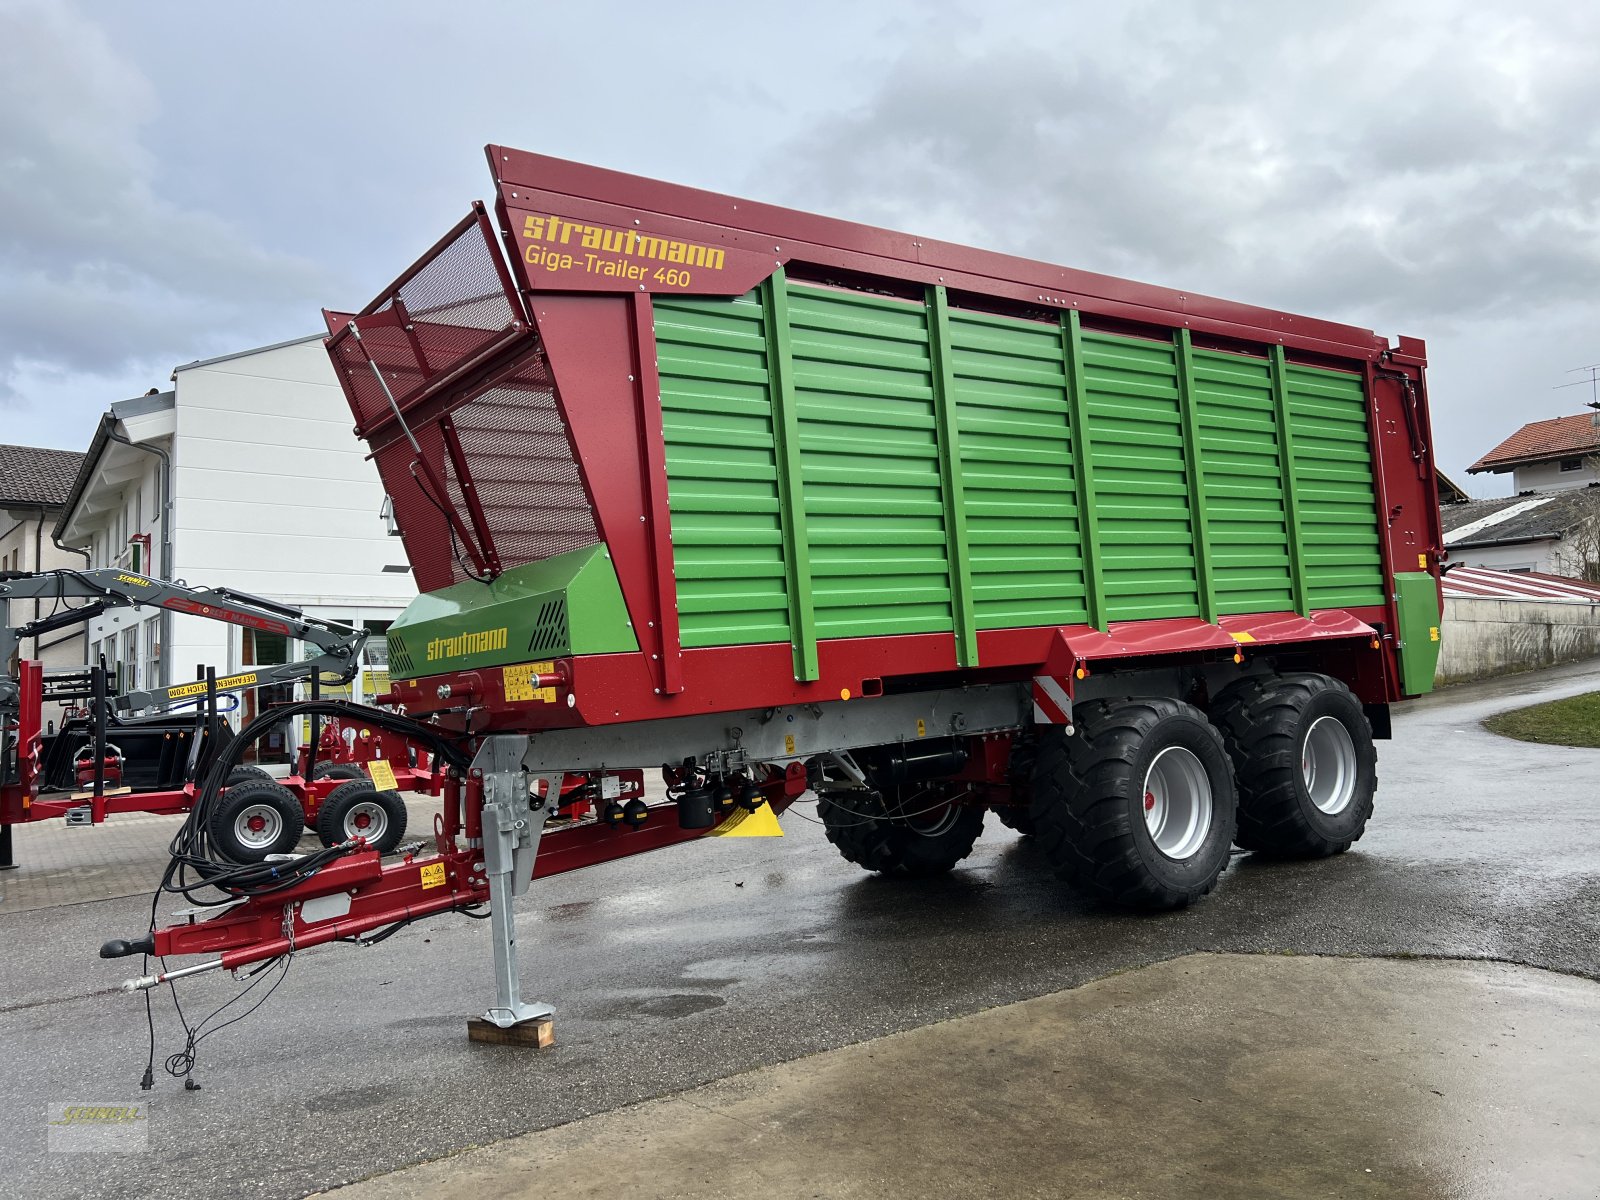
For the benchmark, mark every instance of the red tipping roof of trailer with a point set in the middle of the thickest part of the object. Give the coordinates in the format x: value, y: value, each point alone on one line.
x: 532, y: 184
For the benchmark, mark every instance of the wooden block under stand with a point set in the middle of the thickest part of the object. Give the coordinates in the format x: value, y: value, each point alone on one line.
x: 537, y: 1034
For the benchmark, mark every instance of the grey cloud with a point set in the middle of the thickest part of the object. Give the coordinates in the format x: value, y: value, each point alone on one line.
x: 101, y: 268
x: 1391, y: 173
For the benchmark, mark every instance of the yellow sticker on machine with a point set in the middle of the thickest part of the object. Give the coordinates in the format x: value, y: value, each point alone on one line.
x: 199, y: 688
x: 519, y: 682
x: 383, y: 776
x: 432, y: 875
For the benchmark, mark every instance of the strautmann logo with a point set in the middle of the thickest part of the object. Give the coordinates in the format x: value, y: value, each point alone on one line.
x: 467, y: 643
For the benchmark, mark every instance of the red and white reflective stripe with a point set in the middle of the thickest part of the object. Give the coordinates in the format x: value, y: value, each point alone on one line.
x: 1051, y: 704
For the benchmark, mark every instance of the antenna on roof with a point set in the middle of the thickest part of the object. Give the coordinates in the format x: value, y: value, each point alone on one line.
x: 1593, y: 381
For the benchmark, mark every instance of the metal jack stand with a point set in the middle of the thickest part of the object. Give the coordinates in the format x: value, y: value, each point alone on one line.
x: 513, y: 822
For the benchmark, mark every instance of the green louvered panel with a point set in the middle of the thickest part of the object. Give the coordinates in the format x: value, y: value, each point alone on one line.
x: 1334, y: 489
x: 869, y: 463
x: 1141, y: 486
x: 1246, y: 523
x: 722, y: 476
x: 1016, y: 463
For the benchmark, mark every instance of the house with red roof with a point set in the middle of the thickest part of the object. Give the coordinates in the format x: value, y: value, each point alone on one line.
x: 1547, y: 456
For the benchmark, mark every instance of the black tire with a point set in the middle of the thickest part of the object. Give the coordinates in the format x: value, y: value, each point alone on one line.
x: 329, y: 770
x: 254, y: 819
x: 868, y: 829
x: 1266, y: 725
x: 240, y: 774
x: 1091, y: 792
x: 350, y: 803
x: 1014, y: 816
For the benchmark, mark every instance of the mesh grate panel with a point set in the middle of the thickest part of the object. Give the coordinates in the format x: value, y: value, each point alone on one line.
x: 452, y: 309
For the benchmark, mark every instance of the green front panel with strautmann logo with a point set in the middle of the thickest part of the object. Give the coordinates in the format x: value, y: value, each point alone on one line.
x: 1416, y: 595
x: 569, y: 604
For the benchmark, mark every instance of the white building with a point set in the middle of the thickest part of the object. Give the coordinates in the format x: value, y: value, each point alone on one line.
x: 245, y: 475
x: 34, y: 484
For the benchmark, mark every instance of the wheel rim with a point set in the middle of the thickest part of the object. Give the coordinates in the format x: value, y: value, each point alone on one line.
x: 367, y: 819
x: 1177, y: 802
x: 257, y: 826
x: 1328, y: 765
x: 925, y: 815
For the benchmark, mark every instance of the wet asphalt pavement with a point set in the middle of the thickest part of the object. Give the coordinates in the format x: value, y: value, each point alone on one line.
x: 691, y: 964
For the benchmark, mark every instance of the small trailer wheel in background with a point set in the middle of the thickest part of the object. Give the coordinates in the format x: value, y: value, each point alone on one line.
x: 357, y: 809
x: 1137, y: 808
x: 254, y: 819
x: 911, y: 831
x: 245, y: 772
x: 337, y: 771
x: 1307, y: 769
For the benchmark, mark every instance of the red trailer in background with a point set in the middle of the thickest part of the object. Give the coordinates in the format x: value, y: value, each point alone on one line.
x: 783, y: 502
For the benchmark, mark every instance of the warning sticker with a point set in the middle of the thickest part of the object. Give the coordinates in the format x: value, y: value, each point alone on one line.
x: 519, y: 682
x: 432, y: 875
x: 382, y: 776
x: 198, y: 689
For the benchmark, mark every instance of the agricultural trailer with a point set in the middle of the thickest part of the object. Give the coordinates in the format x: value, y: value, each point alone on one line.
x: 786, y: 503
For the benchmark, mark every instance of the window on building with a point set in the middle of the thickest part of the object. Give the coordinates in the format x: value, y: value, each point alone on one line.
x: 1572, y: 464
x: 259, y: 649
x: 128, y: 659
x: 152, y: 653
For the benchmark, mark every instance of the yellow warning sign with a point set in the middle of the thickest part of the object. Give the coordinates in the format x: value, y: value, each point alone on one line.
x: 1422, y: 562
x: 198, y: 689
x: 788, y: 743
x: 383, y: 777
x: 1433, y: 633
x: 432, y: 875
x: 922, y: 727
x: 1241, y: 636
x: 739, y: 823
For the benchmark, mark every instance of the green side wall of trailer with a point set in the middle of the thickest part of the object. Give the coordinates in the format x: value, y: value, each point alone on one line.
x: 844, y: 464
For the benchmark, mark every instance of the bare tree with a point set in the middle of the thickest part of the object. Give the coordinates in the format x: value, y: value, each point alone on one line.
x: 1578, y: 556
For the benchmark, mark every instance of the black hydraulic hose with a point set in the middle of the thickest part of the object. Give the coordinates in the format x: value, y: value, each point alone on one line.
x: 190, y: 849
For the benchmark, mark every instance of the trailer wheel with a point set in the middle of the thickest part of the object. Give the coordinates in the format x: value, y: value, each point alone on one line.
x: 337, y: 771
x: 357, y: 809
x: 913, y: 831
x: 254, y: 819
x: 1307, y: 769
x: 1137, y: 808
x: 245, y: 772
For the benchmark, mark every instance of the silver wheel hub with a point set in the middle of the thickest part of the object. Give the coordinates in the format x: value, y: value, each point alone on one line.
x: 1177, y: 802
x: 367, y: 819
x: 1328, y: 765
x: 257, y: 826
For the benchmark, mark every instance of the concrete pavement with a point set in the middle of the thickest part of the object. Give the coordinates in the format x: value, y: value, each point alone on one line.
x: 1208, y: 1075
x: 691, y: 965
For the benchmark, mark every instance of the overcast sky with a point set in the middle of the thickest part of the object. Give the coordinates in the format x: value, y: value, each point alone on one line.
x: 179, y: 180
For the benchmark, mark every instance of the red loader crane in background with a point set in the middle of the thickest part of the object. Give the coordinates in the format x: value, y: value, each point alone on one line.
x: 109, y: 762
